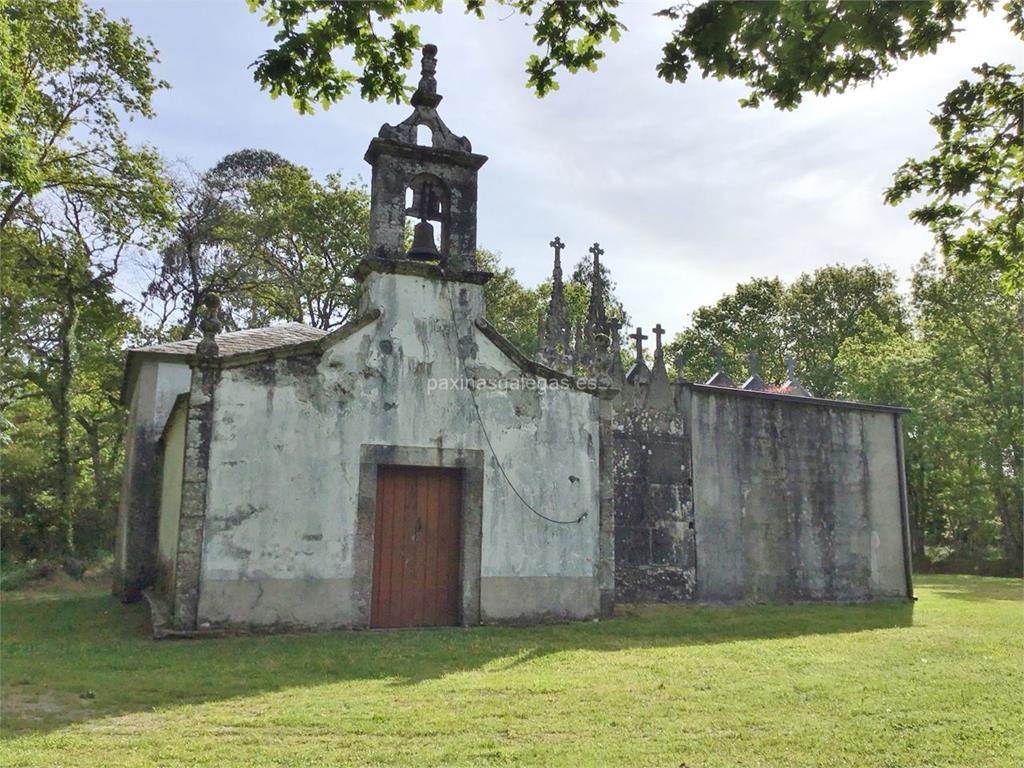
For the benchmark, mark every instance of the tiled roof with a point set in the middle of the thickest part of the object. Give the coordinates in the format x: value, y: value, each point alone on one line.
x: 243, y: 342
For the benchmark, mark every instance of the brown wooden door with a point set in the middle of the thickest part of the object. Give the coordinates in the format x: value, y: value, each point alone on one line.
x: 416, y: 547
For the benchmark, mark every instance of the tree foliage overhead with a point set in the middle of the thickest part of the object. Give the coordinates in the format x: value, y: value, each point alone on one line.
x: 382, y: 45
x: 783, y: 50
x: 974, y: 182
x: 780, y: 50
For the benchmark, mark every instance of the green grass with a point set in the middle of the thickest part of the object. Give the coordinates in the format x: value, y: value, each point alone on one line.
x: 936, y: 683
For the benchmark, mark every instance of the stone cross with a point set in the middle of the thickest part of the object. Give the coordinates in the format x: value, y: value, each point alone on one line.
x: 640, y: 339
x: 558, y: 245
x: 791, y: 367
x: 658, y: 332
x: 680, y: 362
x: 614, y: 325
x: 598, y: 252
x: 752, y: 361
x: 718, y: 356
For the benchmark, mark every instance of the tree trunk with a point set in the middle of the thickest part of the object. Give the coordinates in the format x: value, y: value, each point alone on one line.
x: 1009, y: 516
x: 99, y: 474
x: 67, y: 344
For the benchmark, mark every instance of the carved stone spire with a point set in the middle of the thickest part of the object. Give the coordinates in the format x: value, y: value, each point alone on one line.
x: 210, y: 325
x: 615, y: 370
x: 424, y: 102
x: 597, y: 321
x: 426, y: 94
x: 754, y: 381
x: 554, y: 341
x: 659, y: 393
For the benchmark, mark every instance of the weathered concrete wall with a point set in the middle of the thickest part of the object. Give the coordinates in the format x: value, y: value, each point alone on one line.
x: 795, y: 500
x: 655, y: 550
x: 280, y: 544
x: 156, y: 386
x: 173, y: 460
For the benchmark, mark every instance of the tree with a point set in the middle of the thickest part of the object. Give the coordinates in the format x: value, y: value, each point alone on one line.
x: 511, y: 308
x: 748, y: 320
x: 297, y: 243
x: 63, y: 334
x: 193, y: 258
x: 70, y: 75
x: 811, y: 319
x: 272, y: 241
x: 835, y: 303
x: 964, y: 317
x: 76, y: 199
x: 961, y: 373
x: 975, y: 179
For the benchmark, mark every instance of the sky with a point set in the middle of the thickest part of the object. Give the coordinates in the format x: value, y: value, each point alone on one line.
x: 687, y: 193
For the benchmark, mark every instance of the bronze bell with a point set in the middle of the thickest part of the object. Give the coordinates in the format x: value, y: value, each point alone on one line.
x: 423, y: 248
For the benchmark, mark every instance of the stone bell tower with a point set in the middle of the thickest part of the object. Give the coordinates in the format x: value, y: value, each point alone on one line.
x: 431, y: 183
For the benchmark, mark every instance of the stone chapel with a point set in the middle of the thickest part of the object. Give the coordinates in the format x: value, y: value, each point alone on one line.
x: 413, y: 468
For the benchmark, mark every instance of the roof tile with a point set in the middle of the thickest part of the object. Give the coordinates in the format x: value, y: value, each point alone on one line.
x: 243, y: 342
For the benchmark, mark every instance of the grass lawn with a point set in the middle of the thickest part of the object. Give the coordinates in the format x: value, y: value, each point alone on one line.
x: 937, y: 683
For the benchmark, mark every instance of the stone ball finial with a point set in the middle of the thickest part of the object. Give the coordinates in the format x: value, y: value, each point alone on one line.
x: 210, y: 325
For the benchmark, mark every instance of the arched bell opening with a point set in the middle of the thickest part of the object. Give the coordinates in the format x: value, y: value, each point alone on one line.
x: 427, y: 201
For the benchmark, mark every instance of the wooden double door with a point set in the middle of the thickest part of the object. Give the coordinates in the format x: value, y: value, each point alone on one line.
x: 416, y: 547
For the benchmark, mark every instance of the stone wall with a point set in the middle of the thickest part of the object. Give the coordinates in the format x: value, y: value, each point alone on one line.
x: 172, y: 463
x: 157, y: 383
x: 655, y: 552
x: 796, y: 499
x: 726, y: 495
